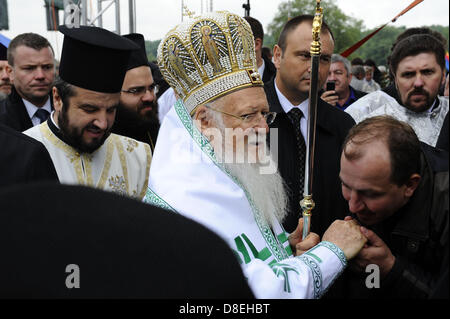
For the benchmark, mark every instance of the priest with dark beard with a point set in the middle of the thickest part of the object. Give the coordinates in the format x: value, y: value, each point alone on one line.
x: 78, y: 133
x: 136, y: 115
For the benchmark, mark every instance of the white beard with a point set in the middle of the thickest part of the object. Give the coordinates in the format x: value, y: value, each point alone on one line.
x: 266, y: 189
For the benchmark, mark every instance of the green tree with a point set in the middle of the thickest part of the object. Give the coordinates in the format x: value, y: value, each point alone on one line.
x: 443, y: 30
x: 346, y: 29
x: 379, y: 46
x: 151, y: 47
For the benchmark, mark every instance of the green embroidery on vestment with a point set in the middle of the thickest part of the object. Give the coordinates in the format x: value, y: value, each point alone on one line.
x: 281, y: 269
x: 152, y: 198
x: 316, y: 274
x: 314, y: 256
x: 336, y: 250
x: 241, y: 247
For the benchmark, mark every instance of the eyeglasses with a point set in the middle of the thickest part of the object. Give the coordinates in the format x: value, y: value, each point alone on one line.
x: 141, y: 90
x: 252, y: 117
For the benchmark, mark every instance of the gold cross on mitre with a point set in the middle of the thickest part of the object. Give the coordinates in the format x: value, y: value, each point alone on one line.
x: 187, y: 12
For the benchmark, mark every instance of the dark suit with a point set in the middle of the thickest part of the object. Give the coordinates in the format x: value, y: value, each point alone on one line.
x: 13, y: 112
x: 332, y: 128
x: 442, y: 141
x: 269, y: 70
x: 23, y: 159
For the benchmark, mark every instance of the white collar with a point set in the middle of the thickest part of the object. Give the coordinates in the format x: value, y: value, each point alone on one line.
x: 53, y: 120
x: 31, y: 108
x: 262, y: 68
x: 287, y: 106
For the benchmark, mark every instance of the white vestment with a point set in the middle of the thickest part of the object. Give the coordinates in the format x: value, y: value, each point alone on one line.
x: 426, y: 124
x: 186, y: 178
x: 121, y: 164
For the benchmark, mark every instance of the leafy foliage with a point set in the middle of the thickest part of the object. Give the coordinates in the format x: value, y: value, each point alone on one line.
x: 378, y: 48
x: 151, y: 47
x: 347, y: 30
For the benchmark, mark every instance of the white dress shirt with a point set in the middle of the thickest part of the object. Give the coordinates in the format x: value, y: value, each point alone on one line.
x: 287, y: 106
x: 262, y: 68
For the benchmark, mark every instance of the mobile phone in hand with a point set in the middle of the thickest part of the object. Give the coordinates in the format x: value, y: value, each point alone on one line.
x: 331, y: 86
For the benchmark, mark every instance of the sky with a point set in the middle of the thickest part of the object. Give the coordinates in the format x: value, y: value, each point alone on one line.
x: 155, y: 17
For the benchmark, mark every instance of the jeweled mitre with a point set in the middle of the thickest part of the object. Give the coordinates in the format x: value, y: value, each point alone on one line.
x: 209, y: 56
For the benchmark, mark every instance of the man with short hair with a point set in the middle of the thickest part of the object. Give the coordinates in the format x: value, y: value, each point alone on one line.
x: 78, y: 133
x: 288, y: 96
x: 398, y: 190
x: 418, y: 65
x: 210, y: 163
x: 340, y: 73
x: 5, y: 83
x: 265, y: 65
x: 136, y: 115
x: 32, y: 72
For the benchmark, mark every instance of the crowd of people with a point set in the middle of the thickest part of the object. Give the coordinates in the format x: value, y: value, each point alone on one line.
x: 203, y: 156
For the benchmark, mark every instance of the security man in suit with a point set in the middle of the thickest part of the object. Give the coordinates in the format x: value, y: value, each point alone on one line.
x: 32, y: 71
x: 288, y: 96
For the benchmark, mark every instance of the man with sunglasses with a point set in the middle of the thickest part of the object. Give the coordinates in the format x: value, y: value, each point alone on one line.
x: 137, y: 114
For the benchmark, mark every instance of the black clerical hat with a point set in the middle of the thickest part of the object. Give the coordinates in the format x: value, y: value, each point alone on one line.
x: 94, y: 58
x: 69, y: 241
x: 3, y: 50
x: 137, y: 57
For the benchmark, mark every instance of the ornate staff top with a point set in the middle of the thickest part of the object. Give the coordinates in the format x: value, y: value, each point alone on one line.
x: 307, y: 203
x: 316, y: 27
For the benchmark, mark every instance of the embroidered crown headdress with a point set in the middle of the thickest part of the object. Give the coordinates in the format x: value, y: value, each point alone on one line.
x: 209, y: 56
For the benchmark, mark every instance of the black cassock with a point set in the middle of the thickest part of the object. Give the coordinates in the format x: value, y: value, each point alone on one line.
x: 23, y: 159
x: 89, y: 243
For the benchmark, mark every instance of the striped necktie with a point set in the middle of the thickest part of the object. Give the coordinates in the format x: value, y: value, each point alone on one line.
x: 42, y: 115
x: 295, y: 115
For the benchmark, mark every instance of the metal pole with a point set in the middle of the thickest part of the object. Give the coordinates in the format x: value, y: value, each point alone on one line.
x: 307, y: 203
x: 99, y: 9
x: 84, y: 12
x: 182, y: 10
x: 99, y: 15
x: 132, y: 12
x: 247, y: 8
x: 117, y: 16
x: 211, y: 6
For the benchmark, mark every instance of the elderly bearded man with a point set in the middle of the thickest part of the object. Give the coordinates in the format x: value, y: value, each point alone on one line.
x: 221, y: 94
